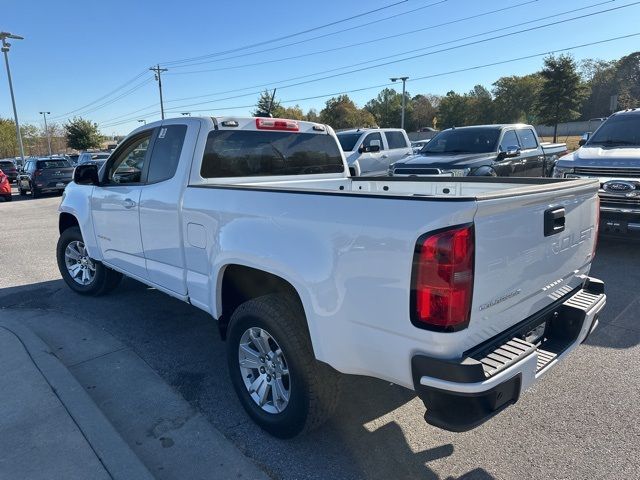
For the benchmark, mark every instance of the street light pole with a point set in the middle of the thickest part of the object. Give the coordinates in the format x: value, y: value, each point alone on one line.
x: 158, y: 71
x: 5, y: 50
x: 46, y: 129
x: 404, y: 81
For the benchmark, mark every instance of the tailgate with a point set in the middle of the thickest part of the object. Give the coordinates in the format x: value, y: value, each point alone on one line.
x: 531, y: 248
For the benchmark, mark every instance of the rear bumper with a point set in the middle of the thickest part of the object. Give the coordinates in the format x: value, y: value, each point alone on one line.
x: 464, y: 393
x: 619, y: 220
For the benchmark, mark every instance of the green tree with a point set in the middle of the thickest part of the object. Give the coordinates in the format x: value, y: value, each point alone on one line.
x: 82, y: 134
x: 453, y: 110
x: 516, y: 98
x: 387, y: 108
x: 479, y: 106
x: 267, y: 104
x: 562, y: 91
x: 423, y: 112
x: 312, y: 115
x: 341, y: 112
x: 628, y: 81
x: 292, y: 113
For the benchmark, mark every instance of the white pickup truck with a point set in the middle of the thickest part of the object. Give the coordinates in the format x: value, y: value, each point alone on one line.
x: 465, y: 290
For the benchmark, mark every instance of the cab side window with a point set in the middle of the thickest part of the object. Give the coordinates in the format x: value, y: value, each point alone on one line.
x: 396, y: 140
x: 527, y: 139
x: 373, y: 138
x: 128, y: 165
x: 166, y: 153
x: 509, y: 140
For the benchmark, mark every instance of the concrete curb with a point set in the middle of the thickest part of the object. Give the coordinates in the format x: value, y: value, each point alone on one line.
x: 112, y: 451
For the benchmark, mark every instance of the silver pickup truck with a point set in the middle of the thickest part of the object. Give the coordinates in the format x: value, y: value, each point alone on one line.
x: 612, y: 155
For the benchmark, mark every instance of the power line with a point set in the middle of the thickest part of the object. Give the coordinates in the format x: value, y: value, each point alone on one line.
x: 318, y: 52
x: 291, y: 35
x: 362, y: 25
x: 369, y: 66
x: 125, y: 84
x: 415, y: 79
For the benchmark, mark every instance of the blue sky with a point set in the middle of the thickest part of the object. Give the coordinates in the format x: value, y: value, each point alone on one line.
x: 76, y: 52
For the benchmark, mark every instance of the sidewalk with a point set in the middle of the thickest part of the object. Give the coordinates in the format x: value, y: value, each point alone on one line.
x: 75, y: 403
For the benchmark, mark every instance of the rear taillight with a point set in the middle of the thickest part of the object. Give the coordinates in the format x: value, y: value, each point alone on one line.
x: 442, y: 279
x: 37, y: 173
x: 276, y: 124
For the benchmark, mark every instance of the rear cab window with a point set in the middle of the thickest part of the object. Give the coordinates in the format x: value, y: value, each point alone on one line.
x: 248, y: 153
x: 166, y: 153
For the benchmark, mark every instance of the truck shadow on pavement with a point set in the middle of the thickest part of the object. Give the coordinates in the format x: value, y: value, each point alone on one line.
x: 377, y: 426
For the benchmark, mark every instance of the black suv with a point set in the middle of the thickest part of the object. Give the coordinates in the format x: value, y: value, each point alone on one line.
x: 44, y: 175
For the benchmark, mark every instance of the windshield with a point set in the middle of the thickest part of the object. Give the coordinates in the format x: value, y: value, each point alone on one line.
x: 251, y: 153
x: 348, y: 140
x: 467, y: 140
x: 618, y: 131
x: 6, y: 165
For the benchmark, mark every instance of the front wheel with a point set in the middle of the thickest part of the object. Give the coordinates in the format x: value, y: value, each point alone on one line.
x: 280, y: 384
x: 80, y: 272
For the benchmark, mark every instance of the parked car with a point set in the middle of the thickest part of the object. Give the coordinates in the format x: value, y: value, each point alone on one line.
x: 9, y: 169
x: 98, y: 157
x: 5, y: 187
x: 511, y: 150
x: 42, y: 175
x: 418, y: 145
x: 465, y: 291
x: 369, y: 151
x: 612, y: 155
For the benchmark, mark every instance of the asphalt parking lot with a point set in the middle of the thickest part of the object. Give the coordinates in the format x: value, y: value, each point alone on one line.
x: 580, y: 421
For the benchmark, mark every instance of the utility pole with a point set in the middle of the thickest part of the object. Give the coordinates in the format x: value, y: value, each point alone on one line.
x: 5, y: 50
x: 46, y: 129
x: 158, y: 71
x: 404, y: 81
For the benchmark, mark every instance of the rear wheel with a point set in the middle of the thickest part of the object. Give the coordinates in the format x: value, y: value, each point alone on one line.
x: 80, y: 272
x: 8, y: 198
x: 280, y: 384
x: 35, y: 193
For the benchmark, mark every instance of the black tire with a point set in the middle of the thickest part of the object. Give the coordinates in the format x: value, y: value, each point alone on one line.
x: 8, y: 198
x: 35, y: 193
x: 22, y: 192
x: 314, y: 386
x: 104, y: 280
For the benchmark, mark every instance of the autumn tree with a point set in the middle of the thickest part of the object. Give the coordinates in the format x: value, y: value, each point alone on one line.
x: 341, y: 112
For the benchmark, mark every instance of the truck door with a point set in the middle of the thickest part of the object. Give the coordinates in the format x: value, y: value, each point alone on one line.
x: 513, y: 166
x: 114, y: 205
x: 372, y: 162
x: 398, y: 146
x: 160, y: 223
x: 531, y: 154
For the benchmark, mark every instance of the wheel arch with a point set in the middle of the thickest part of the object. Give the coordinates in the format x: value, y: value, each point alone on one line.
x: 67, y: 220
x: 239, y: 283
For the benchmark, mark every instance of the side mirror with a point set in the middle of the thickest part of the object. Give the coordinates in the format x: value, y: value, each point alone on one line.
x: 369, y: 149
x: 86, y: 175
x: 582, y: 141
x: 512, y: 151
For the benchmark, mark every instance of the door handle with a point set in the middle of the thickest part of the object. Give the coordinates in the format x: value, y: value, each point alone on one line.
x: 554, y: 221
x: 128, y: 203
x: 385, y: 156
